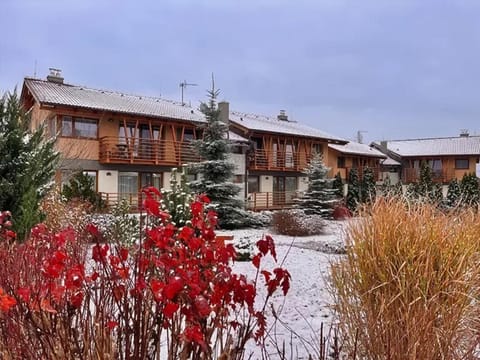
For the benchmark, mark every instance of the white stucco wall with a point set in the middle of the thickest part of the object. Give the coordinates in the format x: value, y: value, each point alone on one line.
x: 108, y: 181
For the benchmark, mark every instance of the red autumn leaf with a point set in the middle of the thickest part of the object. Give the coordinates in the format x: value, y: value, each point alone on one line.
x: 170, y: 309
x: 196, y: 207
x: 261, y: 324
x: 111, y: 325
x: 186, y: 233
x: 173, y: 287
x: 204, y: 198
x: 123, y: 272
x: 123, y: 254
x: 262, y: 246
x: 93, y: 230
x: 99, y: 253
x: 271, y: 246
x: 256, y: 260
x: 24, y: 294
x: 76, y: 299
x: 6, y: 301
x: 202, y: 307
x: 151, y: 190
x: 266, y: 275
x: 193, y: 333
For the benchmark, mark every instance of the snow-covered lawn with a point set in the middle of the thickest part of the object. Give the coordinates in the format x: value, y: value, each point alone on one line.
x: 307, y: 305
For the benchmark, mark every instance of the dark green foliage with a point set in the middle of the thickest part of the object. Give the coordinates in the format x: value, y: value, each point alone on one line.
x: 82, y: 187
x: 353, y: 194
x: 27, y: 165
x: 470, y: 190
x: 338, y: 185
x: 368, y: 188
x: 425, y: 189
x: 216, y: 171
x: 320, y: 197
x: 454, y: 194
x: 177, y: 199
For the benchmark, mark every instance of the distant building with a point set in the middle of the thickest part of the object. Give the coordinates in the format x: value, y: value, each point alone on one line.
x: 449, y: 157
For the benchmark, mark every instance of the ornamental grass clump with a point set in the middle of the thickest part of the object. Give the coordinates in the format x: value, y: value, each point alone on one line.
x: 408, y: 287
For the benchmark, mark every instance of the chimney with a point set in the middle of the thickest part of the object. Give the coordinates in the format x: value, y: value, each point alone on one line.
x: 464, y: 133
x: 55, y: 76
x: 384, y: 145
x: 224, y: 109
x: 282, y: 116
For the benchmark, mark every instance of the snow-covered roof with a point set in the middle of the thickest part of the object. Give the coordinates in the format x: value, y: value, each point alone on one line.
x: 463, y: 145
x: 273, y: 125
x: 390, y: 162
x: 52, y: 93
x: 235, y: 137
x: 354, y: 148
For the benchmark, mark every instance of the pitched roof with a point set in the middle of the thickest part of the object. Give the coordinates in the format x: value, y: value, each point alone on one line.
x: 390, y: 162
x: 463, y: 145
x: 274, y: 125
x: 51, y: 93
x: 237, y: 138
x: 354, y: 148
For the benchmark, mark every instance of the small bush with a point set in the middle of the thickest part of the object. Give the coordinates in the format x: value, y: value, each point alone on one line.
x: 296, y: 223
x: 405, y: 288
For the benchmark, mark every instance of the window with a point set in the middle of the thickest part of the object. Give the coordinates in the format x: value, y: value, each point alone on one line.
x: 317, y: 148
x: 340, y: 162
x: 93, y: 176
x: 462, y: 164
x: 127, y: 183
x: 253, y: 184
x: 79, y: 127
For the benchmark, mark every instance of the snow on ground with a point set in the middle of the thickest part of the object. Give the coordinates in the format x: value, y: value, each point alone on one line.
x: 307, y: 305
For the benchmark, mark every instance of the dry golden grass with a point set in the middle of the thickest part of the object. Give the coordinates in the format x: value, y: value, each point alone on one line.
x: 409, y: 285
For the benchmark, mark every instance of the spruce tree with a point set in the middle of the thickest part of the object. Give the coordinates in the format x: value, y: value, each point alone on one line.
x: 470, y: 190
x: 338, y: 185
x: 82, y: 187
x: 425, y: 189
x: 353, y: 194
x: 320, y: 197
x: 216, y: 171
x: 368, y: 187
x: 454, y: 194
x: 27, y: 165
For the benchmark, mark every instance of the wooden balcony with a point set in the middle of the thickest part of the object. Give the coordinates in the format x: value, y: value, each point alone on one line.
x: 361, y: 171
x: 117, y: 150
x: 262, y: 159
x: 272, y: 200
x: 410, y: 175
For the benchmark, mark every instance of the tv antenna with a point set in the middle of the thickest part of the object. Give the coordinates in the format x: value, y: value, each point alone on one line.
x: 184, y: 85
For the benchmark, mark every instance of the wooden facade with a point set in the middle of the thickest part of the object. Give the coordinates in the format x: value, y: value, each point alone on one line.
x: 343, y: 163
x: 444, y: 168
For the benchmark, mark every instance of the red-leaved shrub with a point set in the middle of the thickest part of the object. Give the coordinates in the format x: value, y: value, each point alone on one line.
x: 172, y: 296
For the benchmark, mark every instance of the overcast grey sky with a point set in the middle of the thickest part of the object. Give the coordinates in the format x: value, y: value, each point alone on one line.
x: 392, y: 68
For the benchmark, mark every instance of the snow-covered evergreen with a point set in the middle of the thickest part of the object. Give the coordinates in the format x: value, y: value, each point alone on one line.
x: 470, y: 190
x: 368, y: 190
x: 27, y: 165
x: 454, y: 194
x: 320, y: 197
x: 353, y: 194
x: 216, y: 171
x: 177, y: 199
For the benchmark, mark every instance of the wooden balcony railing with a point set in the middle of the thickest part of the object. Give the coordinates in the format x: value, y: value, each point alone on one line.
x: 262, y: 159
x: 440, y: 176
x: 118, y: 150
x: 361, y: 171
x: 134, y: 200
x: 272, y: 200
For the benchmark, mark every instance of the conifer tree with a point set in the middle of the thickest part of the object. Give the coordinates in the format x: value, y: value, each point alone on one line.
x: 470, y: 190
x: 216, y: 171
x: 425, y: 189
x: 454, y: 194
x: 338, y: 185
x: 27, y: 165
x: 353, y: 194
x: 368, y: 187
x: 320, y: 197
x: 82, y: 187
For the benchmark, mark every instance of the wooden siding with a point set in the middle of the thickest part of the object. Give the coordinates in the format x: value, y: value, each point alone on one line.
x: 447, y: 173
x: 352, y: 161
